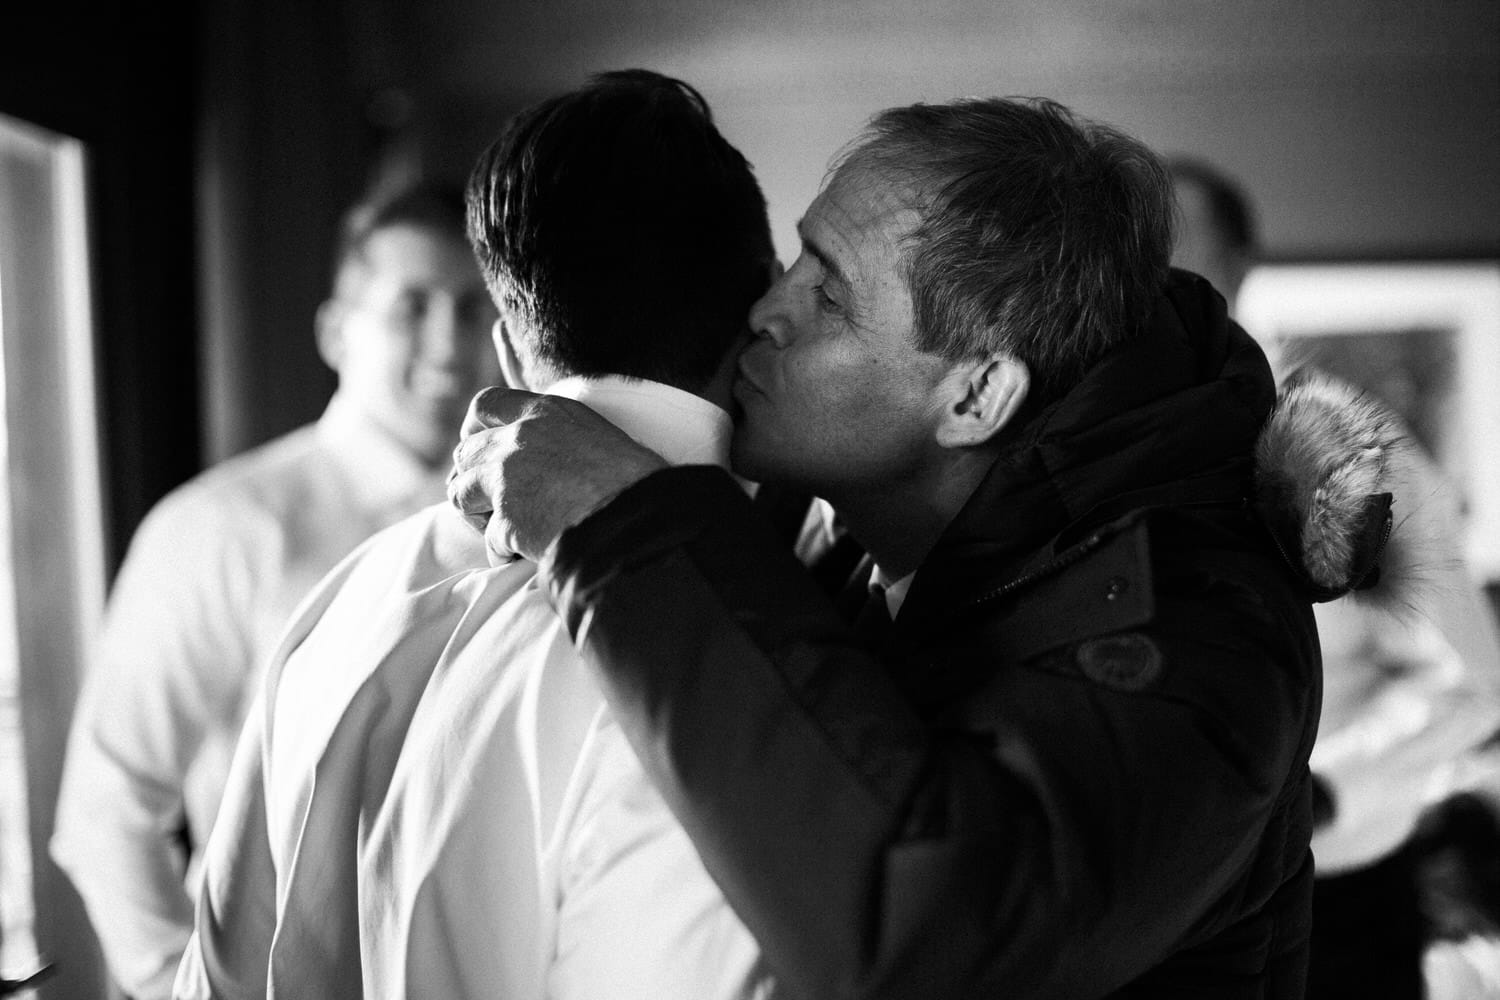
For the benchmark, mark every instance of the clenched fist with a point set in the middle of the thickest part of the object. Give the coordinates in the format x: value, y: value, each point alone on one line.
x: 529, y: 466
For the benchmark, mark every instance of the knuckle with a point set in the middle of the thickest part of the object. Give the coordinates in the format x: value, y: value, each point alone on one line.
x: 464, y: 493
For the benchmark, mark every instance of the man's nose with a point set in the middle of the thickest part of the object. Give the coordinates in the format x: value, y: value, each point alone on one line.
x: 443, y: 333
x: 768, y: 315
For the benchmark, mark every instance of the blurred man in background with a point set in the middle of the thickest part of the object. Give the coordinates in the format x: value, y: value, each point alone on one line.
x: 1411, y: 673
x: 218, y: 566
x: 1216, y: 232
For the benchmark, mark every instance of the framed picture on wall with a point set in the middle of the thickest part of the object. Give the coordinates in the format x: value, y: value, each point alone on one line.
x: 1424, y: 337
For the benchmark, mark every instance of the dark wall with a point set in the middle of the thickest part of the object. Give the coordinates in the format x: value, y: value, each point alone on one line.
x: 115, y: 80
x: 1363, y: 127
x: 282, y: 150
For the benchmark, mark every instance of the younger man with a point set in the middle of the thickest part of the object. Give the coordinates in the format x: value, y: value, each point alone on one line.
x: 432, y: 800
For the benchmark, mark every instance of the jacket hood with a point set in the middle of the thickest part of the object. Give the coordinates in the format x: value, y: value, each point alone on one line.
x: 1178, y: 416
x: 1323, y: 471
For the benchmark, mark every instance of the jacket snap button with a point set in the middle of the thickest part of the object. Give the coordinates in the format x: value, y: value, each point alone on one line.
x: 1117, y: 586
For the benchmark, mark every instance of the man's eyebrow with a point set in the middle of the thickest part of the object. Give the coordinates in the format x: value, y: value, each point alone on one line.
x: 829, y: 265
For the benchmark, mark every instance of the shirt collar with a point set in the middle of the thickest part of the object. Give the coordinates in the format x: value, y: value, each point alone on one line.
x: 895, y: 590
x: 379, y: 469
x: 682, y: 428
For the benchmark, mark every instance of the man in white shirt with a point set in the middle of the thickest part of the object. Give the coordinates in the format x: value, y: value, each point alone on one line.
x: 433, y: 800
x: 219, y: 565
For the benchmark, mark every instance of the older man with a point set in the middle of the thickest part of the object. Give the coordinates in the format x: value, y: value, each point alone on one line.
x: 1075, y: 762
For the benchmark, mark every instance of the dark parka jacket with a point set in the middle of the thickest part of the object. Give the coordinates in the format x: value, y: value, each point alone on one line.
x: 1076, y: 766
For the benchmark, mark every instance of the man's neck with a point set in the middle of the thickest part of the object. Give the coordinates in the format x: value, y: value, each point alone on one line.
x: 898, y: 524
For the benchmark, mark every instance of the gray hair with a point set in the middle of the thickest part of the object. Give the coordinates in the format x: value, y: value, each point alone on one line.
x: 1043, y: 234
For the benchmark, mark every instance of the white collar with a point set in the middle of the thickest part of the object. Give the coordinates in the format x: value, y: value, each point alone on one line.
x: 827, y: 526
x: 895, y: 590
x: 682, y: 428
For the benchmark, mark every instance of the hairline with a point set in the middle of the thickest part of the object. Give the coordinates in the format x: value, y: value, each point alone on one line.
x: 356, y: 254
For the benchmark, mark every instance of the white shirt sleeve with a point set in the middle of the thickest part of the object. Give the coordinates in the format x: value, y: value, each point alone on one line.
x: 172, y: 662
x: 637, y: 914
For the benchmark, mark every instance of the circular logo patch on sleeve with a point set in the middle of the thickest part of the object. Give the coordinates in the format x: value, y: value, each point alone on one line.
x: 1126, y: 662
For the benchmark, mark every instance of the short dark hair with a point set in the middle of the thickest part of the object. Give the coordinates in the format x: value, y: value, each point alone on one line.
x: 624, y: 228
x: 1042, y: 234
x: 1228, y: 204
x: 434, y: 205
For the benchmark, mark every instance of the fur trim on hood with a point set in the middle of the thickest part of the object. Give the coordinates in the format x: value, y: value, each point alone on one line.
x: 1324, y: 481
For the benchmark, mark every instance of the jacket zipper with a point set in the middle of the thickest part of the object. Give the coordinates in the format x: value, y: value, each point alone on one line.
x: 1057, y: 565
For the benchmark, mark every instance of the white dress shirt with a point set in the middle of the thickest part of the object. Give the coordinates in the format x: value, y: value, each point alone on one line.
x: 434, y: 801
x: 211, y: 576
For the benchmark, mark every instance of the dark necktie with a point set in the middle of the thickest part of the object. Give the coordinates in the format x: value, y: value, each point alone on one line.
x: 873, y: 621
x: 834, y: 567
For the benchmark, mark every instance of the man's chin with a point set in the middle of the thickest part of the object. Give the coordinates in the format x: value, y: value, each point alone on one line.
x: 431, y: 430
x: 749, y: 460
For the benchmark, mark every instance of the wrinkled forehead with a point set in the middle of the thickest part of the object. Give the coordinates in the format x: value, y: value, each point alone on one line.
x: 864, y: 205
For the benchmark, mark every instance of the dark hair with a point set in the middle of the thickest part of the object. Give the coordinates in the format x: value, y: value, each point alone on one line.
x: 622, y: 226
x: 1227, y: 203
x: 1043, y: 234
x: 429, y: 204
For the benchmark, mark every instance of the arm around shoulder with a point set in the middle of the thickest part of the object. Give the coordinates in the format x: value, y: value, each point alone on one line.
x: 871, y: 847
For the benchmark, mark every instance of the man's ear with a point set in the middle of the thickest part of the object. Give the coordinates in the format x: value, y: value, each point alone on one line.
x: 328, y: 329
x: 983, y: 396
x: 511, y: 368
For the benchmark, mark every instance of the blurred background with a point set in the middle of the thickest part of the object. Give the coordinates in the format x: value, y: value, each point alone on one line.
x: 172, y: 176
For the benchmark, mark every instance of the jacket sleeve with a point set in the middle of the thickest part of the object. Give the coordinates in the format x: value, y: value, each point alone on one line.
x: 170, y: 666
x: 870, y: 854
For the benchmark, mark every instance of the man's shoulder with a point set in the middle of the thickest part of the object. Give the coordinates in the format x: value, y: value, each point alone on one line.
x: 391, y: 609
x: 407, y: 559
x: 252, y: 479
x: 1100, y: 586
x: 1122, y: 606
x: 1148, y: 662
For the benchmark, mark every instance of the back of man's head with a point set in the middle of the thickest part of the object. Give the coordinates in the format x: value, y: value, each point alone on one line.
x: 621, y: 230
x: 1044, y: 235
